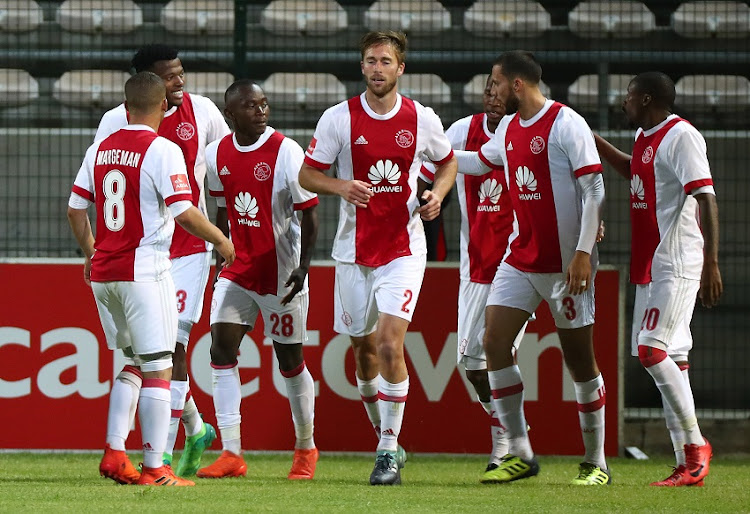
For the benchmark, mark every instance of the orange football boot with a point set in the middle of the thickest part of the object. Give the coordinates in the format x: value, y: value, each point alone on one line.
x: 227, y: 465
x: 303, y: 465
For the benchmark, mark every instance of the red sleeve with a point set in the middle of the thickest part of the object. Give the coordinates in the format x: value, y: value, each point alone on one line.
x: 445, y: 159
x: 695, y: 184
x: 315, y: 164
x: 88, y: 195
x: 587, y: 170
x: 176, y: 198
x: 306, y: 205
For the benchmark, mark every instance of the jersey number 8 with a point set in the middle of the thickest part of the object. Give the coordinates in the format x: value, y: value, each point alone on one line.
x: 114, y: 207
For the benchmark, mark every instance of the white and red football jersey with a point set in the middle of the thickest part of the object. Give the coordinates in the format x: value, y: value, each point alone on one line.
x: 486, y: 210
x: 191, y: 125
x: 259, y: 186
x: 132, y: 177
x: 543, y: 157
x: 668, y: 164
x: 386, y: 151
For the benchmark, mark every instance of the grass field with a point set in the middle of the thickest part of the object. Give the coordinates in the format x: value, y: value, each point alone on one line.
x: 70, y: 482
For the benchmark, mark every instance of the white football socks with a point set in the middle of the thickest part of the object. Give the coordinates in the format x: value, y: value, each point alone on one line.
x: 300, y: 389
x: 391, y: 402
x: 123, y: 400
x: 368, y: 391
x: 507, y: 394
x: 227, y: 398
x: 590, y: 396
x: 153, y: 408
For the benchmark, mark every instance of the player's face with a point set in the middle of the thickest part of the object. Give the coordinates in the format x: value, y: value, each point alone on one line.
x: 381, y: 69
x: 493, y: 107
x: 633, y: 105
x: 248, y: 111
x: 173, y: 76
x: 502, y: 89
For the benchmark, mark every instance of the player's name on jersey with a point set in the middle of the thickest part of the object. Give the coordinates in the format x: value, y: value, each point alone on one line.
x: 119, y: 157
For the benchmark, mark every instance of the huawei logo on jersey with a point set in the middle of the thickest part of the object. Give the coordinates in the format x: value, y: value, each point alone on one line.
x: 185, y: 131
x: 490, y: 189
x: 537, y: 145
x: 246, y: 205
x: 388, y: 171
x: 404, y: 138
x: 648, y: 154
x: 636, y: 193
x: 262, y: 171
x: 525, y: 179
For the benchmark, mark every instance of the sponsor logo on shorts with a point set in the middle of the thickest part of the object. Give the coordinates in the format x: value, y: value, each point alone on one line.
x: 385, y: 171
x: 526, y: 183
x: 636, y: 193
x: 347, y: 319
x: 462, y: 345
x: 246, y: 205
x: 490, y: 190
x: 185, y: 131
x: 404, y: 138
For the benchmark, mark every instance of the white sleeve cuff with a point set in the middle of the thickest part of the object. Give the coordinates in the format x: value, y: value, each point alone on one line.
x: 178, y: 208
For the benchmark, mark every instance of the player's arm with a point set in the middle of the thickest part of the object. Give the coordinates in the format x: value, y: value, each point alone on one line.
x: 197, y: 224
x: 616, y: 158
x: 445, y: 177
x: 309, y: 236
x: 578, y: 274
x: 711, y: 286
x: 222, y: 222
x: 355, y: 192
x: 81, y: 227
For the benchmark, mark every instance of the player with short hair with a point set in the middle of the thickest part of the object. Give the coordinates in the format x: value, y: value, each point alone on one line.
x: 192, y: 121
x: 557, y: 192
x: 138, y: 181
x: 254, y: 176
x: 486, y: 225
x: 378, y: 141
x: 674, y: 255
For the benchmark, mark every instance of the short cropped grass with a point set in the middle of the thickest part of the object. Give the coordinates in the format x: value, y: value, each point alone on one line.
x: 70, y: 482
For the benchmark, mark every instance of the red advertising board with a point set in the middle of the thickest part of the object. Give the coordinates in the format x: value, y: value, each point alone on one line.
x: 56, y: 371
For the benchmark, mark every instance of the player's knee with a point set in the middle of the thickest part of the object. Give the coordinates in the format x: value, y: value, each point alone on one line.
x: 223, y: 354
x: 649, y: 355
x: 155, y: 362
x: 478, y: 378
x: 290, y: 356
x: 390, y: 350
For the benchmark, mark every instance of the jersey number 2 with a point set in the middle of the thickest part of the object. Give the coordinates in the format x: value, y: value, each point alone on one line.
x: 114, y: 207
x: 408, y: 295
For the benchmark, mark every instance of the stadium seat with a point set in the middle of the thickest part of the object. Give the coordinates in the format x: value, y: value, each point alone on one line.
x: 583, y: 94
x: 425, y: 88
x: 411, y: 16
x: 306, y: 90
x: 20, y: 15
x: 17, y: 87
x: 708, y: 19
x: 91, y: 88
x: 702, y: 93
x: 212, y: 85
x: 611, y: 19
x: 99, y: 16
x: 474, y: 90
x: 199, y: 17
x: 517, y: 18
x: 303, y: 17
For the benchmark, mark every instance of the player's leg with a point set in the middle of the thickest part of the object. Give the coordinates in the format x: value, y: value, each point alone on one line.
x: 190, y: 274
x: 367, y: 376
x: 670, y: 304
x: 233, y: 313
x: 286, y: 325
x: 509, y: 305
x: 574, y: 319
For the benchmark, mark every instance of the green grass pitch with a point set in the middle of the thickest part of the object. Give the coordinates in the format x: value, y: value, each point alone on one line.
x: 65, y: 482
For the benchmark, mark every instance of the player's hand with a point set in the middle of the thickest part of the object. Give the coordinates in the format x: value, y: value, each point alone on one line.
x: 430, y: 208
x: 297, y: 281
x: 578, y: 275
x: 87, y: 271
x: 226, y: 250
x: 356, y: 192
x: 711, y: 286
x: 600, y: 232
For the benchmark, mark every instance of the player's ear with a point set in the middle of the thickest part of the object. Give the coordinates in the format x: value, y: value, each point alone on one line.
x: 646, y: 99
x: 164, y: 105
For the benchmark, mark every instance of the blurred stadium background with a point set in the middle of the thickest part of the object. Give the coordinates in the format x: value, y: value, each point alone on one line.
x: 64, y: 64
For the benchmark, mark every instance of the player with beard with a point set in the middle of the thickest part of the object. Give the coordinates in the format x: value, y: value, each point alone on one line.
x: 378, y: 141
x: 557, y: 192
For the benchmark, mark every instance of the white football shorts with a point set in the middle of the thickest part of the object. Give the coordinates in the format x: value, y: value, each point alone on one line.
x: 472, y: 301
x: 190, y: 275
x: 663, y: 310
x: 140, y: 315
x: 285, y: 324
x: 521, y: 290
x: 361, y: 293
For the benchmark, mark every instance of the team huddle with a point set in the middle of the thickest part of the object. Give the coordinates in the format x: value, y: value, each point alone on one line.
x: 530, y: 187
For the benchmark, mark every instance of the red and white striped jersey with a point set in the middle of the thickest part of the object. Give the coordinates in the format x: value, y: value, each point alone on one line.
x: 543, y: 157
x: 667, y: 167
x: 191, y: 125
x: 132, y: 177
x: 486, y: 210
x: 259, y: 186
x: 386, y: 151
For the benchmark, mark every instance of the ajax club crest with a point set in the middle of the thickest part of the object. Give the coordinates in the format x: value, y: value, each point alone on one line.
x: 185, y: 131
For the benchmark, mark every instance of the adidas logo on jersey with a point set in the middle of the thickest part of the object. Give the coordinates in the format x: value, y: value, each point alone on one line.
x: 525, y: 180
x: 509, y: 147
x: 224, y: 171
x: 246, y: 205
x: 361, y: 141
x: 490, y: 189
x: 637, y: 193
x: 388, y: 171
